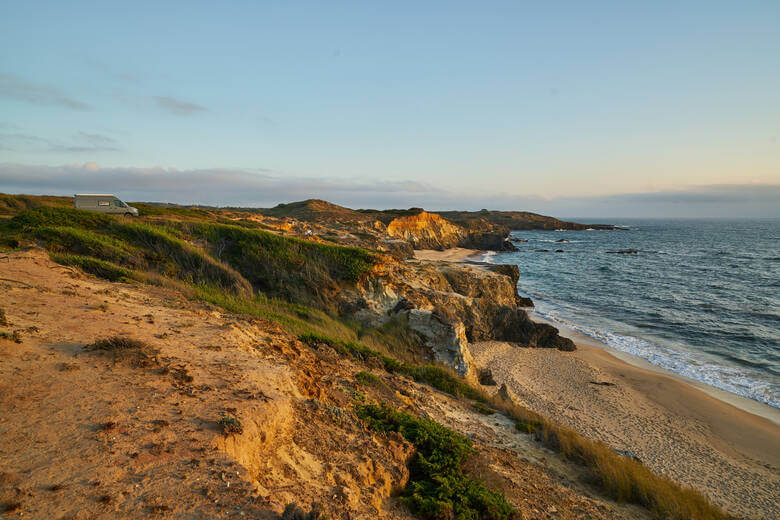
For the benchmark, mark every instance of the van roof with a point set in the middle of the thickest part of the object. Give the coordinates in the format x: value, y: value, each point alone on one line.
x: 95, y: 195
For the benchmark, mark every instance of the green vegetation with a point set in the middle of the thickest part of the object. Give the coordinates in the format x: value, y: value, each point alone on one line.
x: 484, y: 410
x: 525, y: 426
x: 230, y: 426
x: 113, y: 248
x: 170, y: 210
x: 99, y: 268
x: 13, y: 204
x: 621, y: 478
x: 369, y: 379
x: 226, y: 264
x: 433, y: 375
x: 438, y: 486
x: 294, y: 317
x: 298, y: 270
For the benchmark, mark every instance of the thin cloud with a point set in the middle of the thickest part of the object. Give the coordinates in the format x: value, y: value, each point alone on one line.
x: 97, y: 139
x: 15, y: 88
x: 82, y: 142
x: 177, y: 107
x: 265, y: 187
x: 213, y: 186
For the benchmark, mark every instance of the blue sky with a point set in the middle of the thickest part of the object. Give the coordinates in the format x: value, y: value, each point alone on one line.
x: 511, y: 105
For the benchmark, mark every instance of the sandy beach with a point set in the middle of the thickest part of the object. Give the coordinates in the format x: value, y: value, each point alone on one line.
x: 676, y: 429
x: 456, y: 254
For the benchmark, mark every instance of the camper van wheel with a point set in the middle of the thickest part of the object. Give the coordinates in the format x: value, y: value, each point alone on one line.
x: 129, y: 215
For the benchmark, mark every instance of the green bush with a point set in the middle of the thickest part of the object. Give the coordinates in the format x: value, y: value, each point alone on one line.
x: 368, y: 379
x: 230, y: 426
x: 438, y: 487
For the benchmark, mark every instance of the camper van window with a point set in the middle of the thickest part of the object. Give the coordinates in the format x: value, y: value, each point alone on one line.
x: 119, y: 203
x: 103, y: 203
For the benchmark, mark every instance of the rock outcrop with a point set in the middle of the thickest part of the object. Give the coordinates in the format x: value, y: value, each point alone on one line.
x: 517, y: 220
x: 426, y: 231
x: 449, y: 305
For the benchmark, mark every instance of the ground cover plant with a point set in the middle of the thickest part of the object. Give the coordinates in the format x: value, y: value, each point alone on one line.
x: 438, y: 487
x: 298, y: 270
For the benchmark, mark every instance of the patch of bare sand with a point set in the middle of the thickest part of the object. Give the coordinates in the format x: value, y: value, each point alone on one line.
x: 88, y: 436
x: 456, y: 254
x: 677, y: 430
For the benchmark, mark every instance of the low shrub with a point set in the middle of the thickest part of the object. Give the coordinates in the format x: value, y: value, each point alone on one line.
x: 294, y: 512
x: 368, y: 379
x: 484, y: 410
x: 438, y: 487
x: 525, y: 426
x: 231, y: 426
x: 121, y: 348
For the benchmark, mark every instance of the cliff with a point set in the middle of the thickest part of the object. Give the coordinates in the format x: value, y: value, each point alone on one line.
x: 517, y: 220
x: 426, y: 231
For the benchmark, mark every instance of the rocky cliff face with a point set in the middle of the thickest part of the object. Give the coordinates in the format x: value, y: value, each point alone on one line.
x: 430, y: 231
x: 426, y: 231
x: 449, y: 305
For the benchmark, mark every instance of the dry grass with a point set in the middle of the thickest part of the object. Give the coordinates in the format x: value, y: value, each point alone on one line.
x: 621, y: 478
x: 124, y: 349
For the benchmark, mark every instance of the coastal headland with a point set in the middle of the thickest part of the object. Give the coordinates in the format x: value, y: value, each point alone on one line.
x: 306, y: 359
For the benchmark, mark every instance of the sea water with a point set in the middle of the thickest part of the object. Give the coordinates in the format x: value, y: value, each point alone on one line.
x: 700, y: 297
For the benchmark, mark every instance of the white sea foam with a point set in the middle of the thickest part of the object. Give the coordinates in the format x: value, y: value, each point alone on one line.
x: 488, y: 256
x: 730, y: 379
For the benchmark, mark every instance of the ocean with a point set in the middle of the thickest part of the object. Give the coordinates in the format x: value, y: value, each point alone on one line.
x: 700, y: 297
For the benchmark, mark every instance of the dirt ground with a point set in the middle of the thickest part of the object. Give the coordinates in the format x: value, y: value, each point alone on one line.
x: 86, y: 434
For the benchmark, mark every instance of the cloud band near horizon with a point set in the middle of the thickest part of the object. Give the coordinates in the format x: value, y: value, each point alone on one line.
x: 264, y: 188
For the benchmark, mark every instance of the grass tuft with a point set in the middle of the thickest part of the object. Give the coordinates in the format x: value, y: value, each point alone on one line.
x: 120, y: 348
x: 231, y: 426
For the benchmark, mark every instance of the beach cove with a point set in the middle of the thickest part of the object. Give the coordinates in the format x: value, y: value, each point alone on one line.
x: 726, y: 446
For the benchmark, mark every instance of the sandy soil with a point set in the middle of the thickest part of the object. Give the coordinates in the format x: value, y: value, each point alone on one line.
x: 677, y: 430
x: 456, y: 254
x: 85, y: 436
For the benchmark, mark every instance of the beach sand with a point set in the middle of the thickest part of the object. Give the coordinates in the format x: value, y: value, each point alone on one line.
x: 676, y: 429
x: 456, y: 254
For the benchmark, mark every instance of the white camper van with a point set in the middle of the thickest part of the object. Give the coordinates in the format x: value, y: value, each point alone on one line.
x: 104, y: 204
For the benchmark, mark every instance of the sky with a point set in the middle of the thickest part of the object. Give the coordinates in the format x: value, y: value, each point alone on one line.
x: 601, y: 108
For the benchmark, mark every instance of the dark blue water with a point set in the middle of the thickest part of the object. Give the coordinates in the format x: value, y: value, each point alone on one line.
x: 700, y: 298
